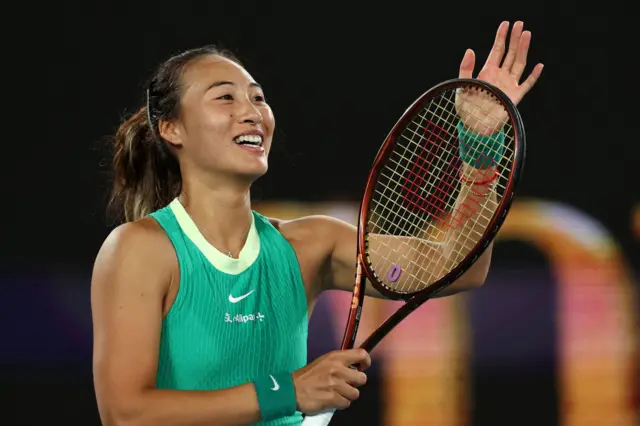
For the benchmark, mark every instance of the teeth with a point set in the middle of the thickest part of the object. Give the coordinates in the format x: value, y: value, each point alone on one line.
x: 251, y: 139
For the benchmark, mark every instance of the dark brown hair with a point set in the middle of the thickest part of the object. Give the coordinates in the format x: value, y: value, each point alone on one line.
x: 146, y: 171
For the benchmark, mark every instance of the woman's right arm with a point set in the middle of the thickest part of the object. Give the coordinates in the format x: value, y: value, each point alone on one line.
x: 132, y: 274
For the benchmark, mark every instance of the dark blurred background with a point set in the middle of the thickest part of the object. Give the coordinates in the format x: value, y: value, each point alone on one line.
x: 551, y: 339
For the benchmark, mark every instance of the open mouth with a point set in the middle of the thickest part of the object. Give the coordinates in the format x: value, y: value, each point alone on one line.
x: 249, y: 140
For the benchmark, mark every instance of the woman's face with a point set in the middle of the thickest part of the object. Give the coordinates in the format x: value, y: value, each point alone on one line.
x: 225, y: 126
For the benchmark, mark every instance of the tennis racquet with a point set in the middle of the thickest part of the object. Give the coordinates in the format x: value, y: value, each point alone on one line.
x: 439, y: 190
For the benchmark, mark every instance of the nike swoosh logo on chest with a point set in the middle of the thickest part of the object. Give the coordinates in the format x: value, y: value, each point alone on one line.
x: 239, y: 298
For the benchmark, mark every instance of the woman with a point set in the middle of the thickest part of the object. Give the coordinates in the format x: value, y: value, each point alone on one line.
x: 200, y: 305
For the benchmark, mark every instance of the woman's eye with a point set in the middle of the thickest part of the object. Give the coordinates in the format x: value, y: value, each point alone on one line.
x: 259, y: 98
x: 226, y: 97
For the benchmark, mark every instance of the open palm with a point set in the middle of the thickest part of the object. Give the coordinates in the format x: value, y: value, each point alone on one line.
x: 505, y: 75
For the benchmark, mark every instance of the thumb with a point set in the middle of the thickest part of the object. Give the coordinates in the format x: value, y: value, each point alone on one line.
x: 467, y: 64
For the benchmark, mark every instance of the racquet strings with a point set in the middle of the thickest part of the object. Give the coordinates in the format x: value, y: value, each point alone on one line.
x: 417, y: 191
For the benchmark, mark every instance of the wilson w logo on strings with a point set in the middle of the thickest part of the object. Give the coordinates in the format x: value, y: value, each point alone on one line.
x: 431, y: 173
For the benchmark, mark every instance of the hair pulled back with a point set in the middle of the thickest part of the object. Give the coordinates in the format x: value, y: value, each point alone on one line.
x: 146, y: 171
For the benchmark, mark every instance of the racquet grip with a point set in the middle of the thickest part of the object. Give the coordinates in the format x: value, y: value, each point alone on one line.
x: 320, y: 419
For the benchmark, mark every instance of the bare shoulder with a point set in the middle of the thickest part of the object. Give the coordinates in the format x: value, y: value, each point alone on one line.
x: 141, y: 240
x: 322, y: 229
x: 313, y: 238
x: 322, y: 244
x: 334, y: 238
x: 133, y: 249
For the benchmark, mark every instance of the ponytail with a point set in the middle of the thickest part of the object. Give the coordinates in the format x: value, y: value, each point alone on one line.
x: 146, y: 173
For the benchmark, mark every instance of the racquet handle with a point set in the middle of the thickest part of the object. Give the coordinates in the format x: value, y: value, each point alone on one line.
x: 320, y: 419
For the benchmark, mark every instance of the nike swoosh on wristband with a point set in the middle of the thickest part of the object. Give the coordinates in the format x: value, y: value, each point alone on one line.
x: 239, y: 298
x: 276, y: 386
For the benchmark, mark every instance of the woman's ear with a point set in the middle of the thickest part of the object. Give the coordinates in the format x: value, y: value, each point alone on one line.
x: 170, y: 131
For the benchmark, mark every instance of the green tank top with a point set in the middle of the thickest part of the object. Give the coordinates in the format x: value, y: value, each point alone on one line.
x: 233, y: 319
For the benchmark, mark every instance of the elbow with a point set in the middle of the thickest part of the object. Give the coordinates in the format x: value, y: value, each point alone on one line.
x: 469, y: 283
x: 477, y: 274
x: 475, y: 283
x: 112, y: 416
x: 478, y: 277
x: 121, y: 413
x: 475, y: 277
x: 121, y: 418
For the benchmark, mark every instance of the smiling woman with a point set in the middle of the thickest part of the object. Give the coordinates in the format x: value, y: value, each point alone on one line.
x: 200, y: 304
x: 148, y: 174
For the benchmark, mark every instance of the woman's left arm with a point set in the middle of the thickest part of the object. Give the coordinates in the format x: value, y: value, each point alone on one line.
x: 341, y: 238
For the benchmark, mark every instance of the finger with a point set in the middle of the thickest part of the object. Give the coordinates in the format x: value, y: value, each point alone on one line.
x: 340, y: 403
x: 532, y: 79
x: 521, y: 57
x: 467, y: 64
x: 347, y: 391
x: 514, y: 42
x: 354, y: 377
x: 365, y: 362
x: 497, y: 51
x: 356, y: 357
